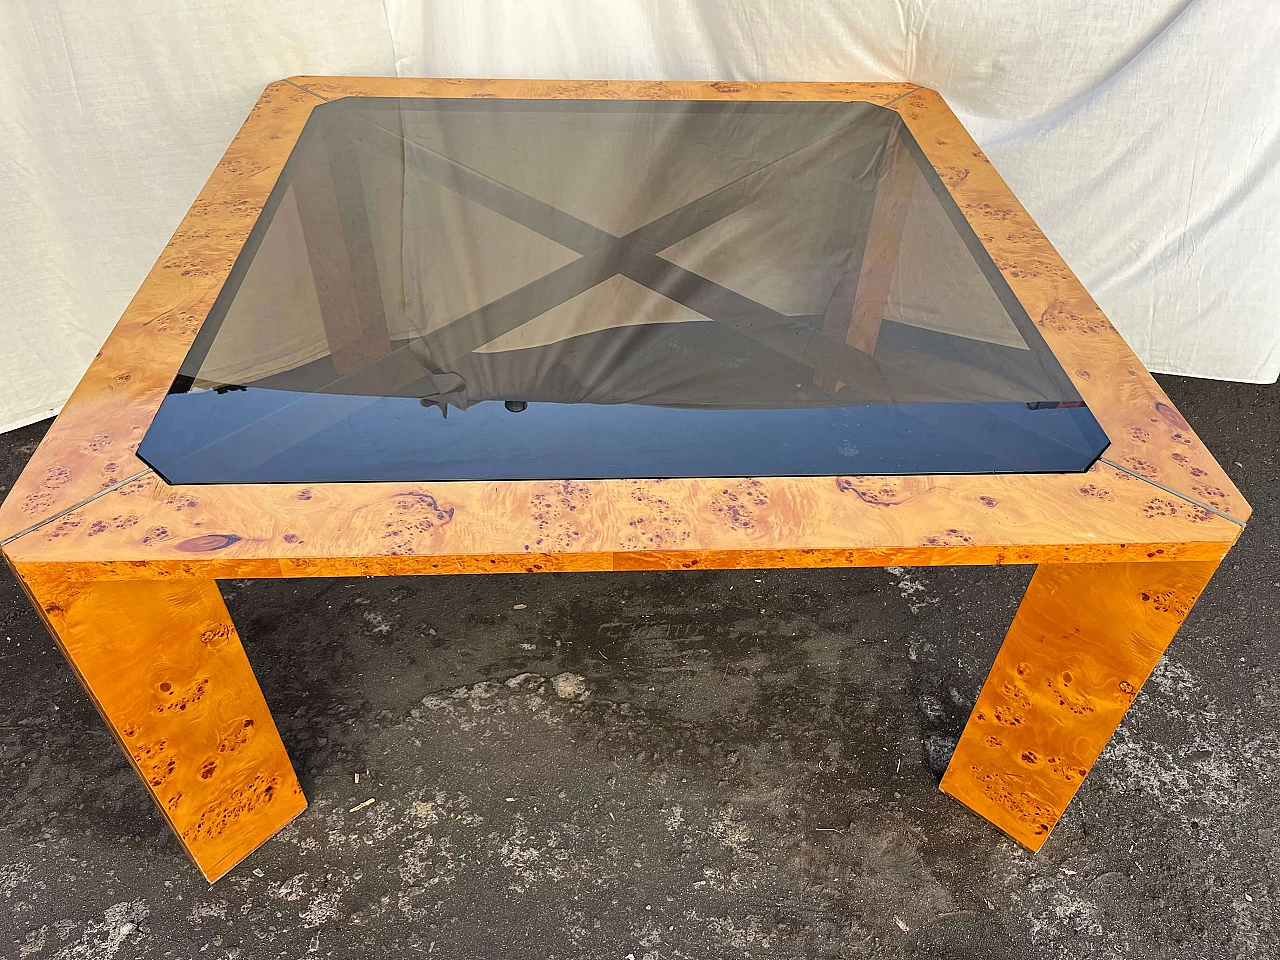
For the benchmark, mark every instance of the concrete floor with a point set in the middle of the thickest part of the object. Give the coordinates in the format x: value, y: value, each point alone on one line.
x: 747, y: 767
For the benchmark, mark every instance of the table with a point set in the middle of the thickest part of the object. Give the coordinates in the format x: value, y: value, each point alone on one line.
x: 482, y: 326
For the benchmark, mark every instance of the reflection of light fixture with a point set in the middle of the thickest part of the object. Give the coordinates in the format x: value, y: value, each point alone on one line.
x: 516, y: 406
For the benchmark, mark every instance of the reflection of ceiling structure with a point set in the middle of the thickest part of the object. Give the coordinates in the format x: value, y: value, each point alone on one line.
x: 498, y: 230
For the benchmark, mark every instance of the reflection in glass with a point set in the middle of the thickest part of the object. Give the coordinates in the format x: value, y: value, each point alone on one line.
x: 489, y: 289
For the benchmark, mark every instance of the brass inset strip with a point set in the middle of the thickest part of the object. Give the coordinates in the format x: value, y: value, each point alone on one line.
x: 326, y: 99
x: 1170, y: 490
x: 73, y: 509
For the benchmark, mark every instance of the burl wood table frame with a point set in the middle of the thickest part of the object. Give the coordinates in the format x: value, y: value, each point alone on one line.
x: 122, y: 567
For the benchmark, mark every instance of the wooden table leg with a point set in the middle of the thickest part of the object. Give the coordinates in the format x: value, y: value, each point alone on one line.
x: 163, y: 664
x: 1084, y: 640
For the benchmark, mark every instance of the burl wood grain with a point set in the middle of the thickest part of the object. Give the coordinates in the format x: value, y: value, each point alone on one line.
x: 91, y: 445
x: 146, y: 528
x: 332, y: 88
x: 1084, y: 640
x: 1148, y: 435
x: 165, y: 668
x: 121, y: 568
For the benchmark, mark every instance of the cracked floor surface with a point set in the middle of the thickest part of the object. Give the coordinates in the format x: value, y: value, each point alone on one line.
x: 665, y: 765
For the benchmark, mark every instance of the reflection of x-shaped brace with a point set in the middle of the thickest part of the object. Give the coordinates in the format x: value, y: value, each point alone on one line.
x: 634, y: 256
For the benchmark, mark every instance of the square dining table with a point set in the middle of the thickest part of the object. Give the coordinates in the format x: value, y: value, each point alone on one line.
x: 428, y: 326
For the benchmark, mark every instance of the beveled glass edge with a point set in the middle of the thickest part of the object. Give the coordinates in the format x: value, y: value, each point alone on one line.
x: 138, y: 476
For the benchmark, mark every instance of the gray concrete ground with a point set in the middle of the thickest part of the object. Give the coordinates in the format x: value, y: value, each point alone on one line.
x: 747, y: 767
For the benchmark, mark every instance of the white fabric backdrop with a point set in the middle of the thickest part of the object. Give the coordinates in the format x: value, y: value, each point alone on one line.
x: 1144, y: 137
x: 114, y: 114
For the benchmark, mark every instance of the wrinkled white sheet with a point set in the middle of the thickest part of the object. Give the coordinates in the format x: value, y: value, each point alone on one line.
x: 113, y: 116
x: 1144, y: 137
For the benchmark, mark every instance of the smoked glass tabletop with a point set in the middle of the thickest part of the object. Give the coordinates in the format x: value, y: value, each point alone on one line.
x: 554, y: 289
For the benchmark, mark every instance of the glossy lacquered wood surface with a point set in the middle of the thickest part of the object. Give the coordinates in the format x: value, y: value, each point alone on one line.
x: 1148, y: 435
x: 120, y: 564
x: 164, y: 666
x: 1084, y: 640
x: 90, y: 447
x: 333, y: 88
x: 146, y: 528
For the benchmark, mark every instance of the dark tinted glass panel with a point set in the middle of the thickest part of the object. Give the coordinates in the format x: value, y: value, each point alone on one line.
x: 489, y: 289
